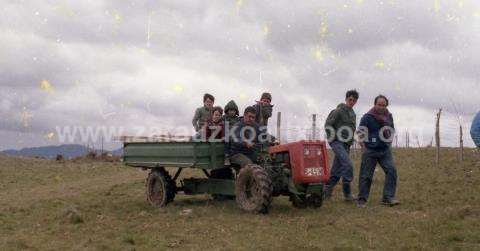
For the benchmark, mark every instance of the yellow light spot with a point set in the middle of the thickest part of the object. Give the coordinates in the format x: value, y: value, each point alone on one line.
x: 116, y: 15
x: 461, y: 3
x: 178, y: 88
x: 266, y: 29
x: 380, y: 64
x: 476, y: 14
x: 65, y: 10
x: 436, y: 6
x: 360, y: 1
x: 392, y: 2
x: 46, y: 86
x: 350, y: 31
x: 50, y: 135
x: 239, y: 4
x: 323, y: 29
x: 318, y: 54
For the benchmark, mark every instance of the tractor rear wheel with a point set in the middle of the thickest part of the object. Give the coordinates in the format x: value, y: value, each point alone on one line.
x: 160, y: 188
x: 253, y: 189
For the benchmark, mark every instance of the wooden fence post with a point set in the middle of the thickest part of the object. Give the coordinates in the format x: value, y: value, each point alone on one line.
x: 314, y: 126
x: 279, y: 122
x: 461, y: 144
x: 437, y: 137
x: 407, y: 139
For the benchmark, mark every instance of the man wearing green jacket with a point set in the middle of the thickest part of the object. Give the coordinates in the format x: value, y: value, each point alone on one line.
x: 340, y: 128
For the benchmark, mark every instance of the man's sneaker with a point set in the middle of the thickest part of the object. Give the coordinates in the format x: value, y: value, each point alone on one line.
x: 349, y: 198
x: 390, y: 202
x: 361, y: 203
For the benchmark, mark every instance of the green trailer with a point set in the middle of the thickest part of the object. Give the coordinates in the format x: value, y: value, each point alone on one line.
x: 252, y: 186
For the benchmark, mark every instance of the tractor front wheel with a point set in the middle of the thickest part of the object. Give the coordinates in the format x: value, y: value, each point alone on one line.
x: 315, y: 200
x: 160, y: 188
x: 299, y: 201
x: 253, y: 189
x: 304, y: 201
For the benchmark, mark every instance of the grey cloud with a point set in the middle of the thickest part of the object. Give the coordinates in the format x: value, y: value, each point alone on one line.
x: 372, y: 23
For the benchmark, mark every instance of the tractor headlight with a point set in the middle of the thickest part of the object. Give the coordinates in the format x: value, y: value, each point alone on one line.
x: 306, y: 152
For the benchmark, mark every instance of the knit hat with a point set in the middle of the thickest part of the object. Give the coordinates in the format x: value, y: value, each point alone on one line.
x: 267, y: 95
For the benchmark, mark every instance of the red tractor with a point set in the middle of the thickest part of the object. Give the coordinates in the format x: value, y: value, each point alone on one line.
x: 306, y: 166
x: 298, y: 170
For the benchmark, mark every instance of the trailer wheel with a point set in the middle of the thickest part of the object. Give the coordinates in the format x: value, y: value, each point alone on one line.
x: 160, y: 188
x: 253, y: 189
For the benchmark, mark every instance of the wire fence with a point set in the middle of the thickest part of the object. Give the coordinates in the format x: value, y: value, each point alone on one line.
x: 297, y: 128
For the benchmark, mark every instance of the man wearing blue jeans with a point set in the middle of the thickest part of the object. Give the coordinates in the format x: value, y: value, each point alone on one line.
x: 376, y: 131
x: 340, y: 128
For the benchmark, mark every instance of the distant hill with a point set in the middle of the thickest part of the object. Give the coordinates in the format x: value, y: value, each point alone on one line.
x: 50, y: 152
x: 118, y: 152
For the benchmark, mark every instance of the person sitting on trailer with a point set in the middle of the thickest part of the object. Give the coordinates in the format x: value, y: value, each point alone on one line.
x: 246, y: 133
x: 230, y: 118
x: 204, y: 113
x: 214, y: 129
x: 264, y: 109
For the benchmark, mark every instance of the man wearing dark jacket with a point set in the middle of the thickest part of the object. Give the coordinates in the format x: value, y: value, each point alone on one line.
x: 246, y: 134
x: 376, y: 132
x: 340, y: 128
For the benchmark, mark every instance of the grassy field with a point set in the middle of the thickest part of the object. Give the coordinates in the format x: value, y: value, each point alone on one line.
x: 46, y: 205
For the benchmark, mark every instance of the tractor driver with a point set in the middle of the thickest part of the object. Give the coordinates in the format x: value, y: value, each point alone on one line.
x: 246, y: 133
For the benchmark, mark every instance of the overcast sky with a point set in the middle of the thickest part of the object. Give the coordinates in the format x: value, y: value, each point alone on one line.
x: 148, y: 63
